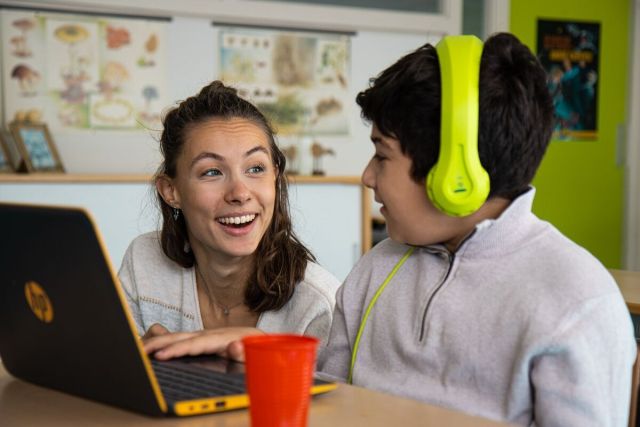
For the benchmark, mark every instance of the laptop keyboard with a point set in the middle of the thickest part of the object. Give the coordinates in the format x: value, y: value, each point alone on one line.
x: 184, y: 381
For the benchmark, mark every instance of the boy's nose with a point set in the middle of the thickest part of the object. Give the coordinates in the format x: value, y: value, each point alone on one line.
x: 368, y: 177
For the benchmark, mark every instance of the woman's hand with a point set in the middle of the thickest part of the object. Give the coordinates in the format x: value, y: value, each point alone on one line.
x: 222, y: 341
x: 155, y: 330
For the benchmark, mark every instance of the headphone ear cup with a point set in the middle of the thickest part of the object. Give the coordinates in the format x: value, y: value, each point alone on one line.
x: 457, y: 184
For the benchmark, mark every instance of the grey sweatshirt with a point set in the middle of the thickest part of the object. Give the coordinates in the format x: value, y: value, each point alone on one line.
x: 520, y: 325
x: 160, y: 291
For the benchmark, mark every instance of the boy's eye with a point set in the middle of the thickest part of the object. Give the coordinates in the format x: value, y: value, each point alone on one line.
x: 379, y: 157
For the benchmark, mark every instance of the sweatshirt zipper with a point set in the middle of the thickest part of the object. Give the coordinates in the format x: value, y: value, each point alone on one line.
x: 451, y: 258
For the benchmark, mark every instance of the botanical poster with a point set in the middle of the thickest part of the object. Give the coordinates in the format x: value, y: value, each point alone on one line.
x: 299, y: 80
x: 84, y: 72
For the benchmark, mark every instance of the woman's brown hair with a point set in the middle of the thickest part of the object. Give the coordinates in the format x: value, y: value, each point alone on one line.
x: 280, y: 259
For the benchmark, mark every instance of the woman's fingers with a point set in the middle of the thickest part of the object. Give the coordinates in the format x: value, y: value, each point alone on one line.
x: 210, y: 341
x: 155, y: 330
x: 235, y: 351
x: 158, y: 342
x: 193, y: 346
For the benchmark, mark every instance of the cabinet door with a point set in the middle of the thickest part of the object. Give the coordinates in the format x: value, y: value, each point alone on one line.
x: 328, y: 219
x: 121, y: 211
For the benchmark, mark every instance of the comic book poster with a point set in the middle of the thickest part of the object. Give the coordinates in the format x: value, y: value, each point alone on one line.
x: 569, y: 52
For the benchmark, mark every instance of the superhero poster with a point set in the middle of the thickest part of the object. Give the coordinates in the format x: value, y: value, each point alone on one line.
x: 569, y: 52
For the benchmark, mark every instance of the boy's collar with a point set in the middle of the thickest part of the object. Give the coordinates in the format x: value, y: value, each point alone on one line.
x: 495, y: 233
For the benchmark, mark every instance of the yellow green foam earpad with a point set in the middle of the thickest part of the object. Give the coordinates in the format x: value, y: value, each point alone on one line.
x: 458, y: 184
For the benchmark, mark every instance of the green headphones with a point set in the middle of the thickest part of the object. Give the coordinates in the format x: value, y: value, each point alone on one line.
x: 458, y: 184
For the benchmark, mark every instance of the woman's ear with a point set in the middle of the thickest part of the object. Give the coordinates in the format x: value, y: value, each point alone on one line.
x: 168, y: 191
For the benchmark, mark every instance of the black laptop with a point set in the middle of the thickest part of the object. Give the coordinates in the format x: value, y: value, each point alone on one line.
x: 64, y: 323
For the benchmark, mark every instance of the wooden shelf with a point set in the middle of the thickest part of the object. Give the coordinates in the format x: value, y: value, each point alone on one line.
x: 629, y: 283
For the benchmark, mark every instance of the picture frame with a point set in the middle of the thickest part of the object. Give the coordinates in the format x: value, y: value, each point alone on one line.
x: 36, y: 146
x: 6, y: 159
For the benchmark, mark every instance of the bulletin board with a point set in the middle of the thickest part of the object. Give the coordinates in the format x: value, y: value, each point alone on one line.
x: 82, y: 72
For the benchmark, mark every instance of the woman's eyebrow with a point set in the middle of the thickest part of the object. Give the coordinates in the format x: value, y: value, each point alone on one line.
x: 216, y: 156
x: 256, y: 149
x: 207, y: 155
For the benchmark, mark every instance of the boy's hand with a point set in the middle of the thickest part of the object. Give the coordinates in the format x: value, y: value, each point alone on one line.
x: 222, y: 341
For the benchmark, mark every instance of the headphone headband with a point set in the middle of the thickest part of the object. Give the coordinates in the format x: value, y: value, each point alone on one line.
x: 458, y: 184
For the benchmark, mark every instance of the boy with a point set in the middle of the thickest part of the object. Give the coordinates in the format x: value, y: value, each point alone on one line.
x: 495, y: 313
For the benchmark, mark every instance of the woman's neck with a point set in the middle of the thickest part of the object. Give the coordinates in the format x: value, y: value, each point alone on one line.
x: 226, y: 279
x: 221, y: 286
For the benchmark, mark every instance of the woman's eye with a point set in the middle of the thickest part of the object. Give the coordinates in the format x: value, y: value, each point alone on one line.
x: 256, y: 169
x: 212, y: 172
x: 378, y: 157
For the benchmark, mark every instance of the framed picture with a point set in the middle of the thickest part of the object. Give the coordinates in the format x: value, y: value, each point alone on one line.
x: 36, y: 147
x: 6, y: 160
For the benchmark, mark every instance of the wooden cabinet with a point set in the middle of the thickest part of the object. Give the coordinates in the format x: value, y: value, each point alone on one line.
x: 330, y: 214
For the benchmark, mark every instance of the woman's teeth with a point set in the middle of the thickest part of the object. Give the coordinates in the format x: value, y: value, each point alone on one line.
x: 236, y: 220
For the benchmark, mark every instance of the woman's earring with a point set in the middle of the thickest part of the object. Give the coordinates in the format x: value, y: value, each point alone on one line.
x: 176, y: 214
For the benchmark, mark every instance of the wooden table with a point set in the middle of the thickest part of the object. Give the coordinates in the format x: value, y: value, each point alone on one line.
x: 23, y: 404
x: 629, y: 283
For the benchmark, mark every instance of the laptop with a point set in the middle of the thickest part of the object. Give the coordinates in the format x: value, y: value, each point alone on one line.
x: 64, y: 323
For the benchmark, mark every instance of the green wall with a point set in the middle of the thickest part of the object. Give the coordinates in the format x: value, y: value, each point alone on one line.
x: 579, y: 185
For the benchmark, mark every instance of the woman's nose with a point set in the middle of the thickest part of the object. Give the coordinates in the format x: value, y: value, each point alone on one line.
x: 237, y: 191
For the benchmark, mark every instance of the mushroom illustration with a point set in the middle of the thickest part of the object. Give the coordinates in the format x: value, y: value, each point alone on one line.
x: 113, y: 75
x: 26, y: 77
x: 117, y: 37
x: 150, y: 47
x: 20, y: 42
x: 149, y: 93
x: 74, y: 77
x: 71, y: 34
x: 152, y: 44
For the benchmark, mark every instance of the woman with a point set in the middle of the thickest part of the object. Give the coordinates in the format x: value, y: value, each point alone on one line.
x: 226, y: 263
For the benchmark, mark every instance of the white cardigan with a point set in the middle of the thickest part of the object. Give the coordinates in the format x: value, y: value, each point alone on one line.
x: 158, y: 290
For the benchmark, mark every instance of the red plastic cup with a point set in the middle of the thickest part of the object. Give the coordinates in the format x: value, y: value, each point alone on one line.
x: 279, y: 376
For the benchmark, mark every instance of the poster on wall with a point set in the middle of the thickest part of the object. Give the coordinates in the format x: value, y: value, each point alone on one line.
x: 83, y: 72
x: 569, y: 52
x: 300, y: 80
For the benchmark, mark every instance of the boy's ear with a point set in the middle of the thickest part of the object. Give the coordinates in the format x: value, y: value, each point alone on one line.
x: 168, y: 191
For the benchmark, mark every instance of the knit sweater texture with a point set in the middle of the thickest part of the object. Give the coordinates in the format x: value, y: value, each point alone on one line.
x: 158, y: 290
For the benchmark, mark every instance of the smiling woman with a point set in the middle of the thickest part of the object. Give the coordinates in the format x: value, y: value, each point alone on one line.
x: 226, y: 263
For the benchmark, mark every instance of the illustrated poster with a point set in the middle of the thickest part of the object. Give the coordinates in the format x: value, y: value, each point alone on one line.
x: 299, y: 80
x: 84, y: 72
x: 569, y: 52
